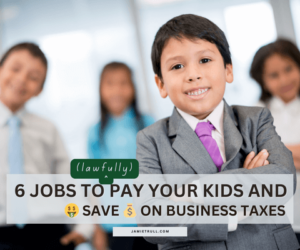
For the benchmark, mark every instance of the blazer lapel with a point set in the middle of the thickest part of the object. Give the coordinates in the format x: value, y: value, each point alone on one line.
x: 232, y: 137
x: 188, y: 145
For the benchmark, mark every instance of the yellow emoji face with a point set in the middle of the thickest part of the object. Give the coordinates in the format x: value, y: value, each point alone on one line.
x: 71, y: 210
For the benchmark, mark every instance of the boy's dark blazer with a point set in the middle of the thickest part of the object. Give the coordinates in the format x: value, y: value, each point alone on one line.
x: 170, y: 146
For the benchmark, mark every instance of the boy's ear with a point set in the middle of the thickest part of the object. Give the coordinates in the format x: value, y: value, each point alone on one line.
x: 229, y: 73
x: 161, y: 86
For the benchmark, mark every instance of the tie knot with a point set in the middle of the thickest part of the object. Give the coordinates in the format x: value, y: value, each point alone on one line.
x: 204, y: 128
x: 14, y: 121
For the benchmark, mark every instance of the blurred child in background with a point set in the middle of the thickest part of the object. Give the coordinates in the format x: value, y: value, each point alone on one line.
x: 276, y: 68
x: 114, y: 136
x: 29, y: 144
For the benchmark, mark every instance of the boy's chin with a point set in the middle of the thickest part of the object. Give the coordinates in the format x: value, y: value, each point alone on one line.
x: 200, y: 114
x: 15, y: 105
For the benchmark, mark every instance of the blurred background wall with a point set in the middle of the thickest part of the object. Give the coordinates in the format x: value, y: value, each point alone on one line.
x: 80, y: 36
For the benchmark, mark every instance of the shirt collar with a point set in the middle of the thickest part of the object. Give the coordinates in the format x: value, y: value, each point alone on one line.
x: 277, y: 104
x: 215, y: 118
x: 5, y: 114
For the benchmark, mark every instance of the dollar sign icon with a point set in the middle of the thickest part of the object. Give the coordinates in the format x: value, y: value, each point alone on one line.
x: 129, y: 212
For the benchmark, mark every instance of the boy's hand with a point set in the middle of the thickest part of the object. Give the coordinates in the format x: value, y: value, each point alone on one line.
x: 255, y: 161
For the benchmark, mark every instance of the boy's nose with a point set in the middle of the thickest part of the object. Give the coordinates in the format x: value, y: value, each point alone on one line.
x: 21, y: 78
x: 194, y: 78
x: 193, y: 73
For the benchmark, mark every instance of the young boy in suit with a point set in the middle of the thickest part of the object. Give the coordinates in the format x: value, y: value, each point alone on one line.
x: 191, y: 61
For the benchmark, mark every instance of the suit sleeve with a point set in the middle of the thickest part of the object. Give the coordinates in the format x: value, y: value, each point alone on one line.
x: 280, y: 158
x: 149, y: 163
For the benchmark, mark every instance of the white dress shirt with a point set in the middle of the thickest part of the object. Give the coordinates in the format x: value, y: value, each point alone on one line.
x: 286, y: 118
x: 43, y: 153
x: 216, y: 119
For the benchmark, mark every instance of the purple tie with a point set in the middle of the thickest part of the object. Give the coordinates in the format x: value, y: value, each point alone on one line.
x: 203, y: 130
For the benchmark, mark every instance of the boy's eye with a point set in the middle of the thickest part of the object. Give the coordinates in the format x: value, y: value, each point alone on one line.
x: 205, y: 60
x: 34, y: 79
x: 178, y: 66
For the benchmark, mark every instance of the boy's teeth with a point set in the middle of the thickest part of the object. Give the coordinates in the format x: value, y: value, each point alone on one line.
x: 200, y: 91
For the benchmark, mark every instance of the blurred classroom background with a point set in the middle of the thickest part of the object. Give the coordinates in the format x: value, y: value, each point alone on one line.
x: 80, y: 36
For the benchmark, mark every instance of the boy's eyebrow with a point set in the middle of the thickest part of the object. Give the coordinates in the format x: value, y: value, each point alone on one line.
x: 174, y: 58
x: 205, y: 50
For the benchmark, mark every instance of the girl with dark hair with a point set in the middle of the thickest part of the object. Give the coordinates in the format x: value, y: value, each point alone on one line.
x: 276, y: 68
x: 114, y: 136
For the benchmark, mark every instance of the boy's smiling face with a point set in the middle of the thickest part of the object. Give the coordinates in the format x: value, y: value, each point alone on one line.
x: 21, y: 78
x: 193, y: 75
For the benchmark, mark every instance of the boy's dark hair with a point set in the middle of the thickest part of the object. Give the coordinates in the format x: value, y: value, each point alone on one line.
x: 104, y: 111
x: 282, y: 47
x: 32, y: 48
x: 191, y: 27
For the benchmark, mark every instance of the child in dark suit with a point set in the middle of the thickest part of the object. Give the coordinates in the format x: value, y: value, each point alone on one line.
x: 192, y: 63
